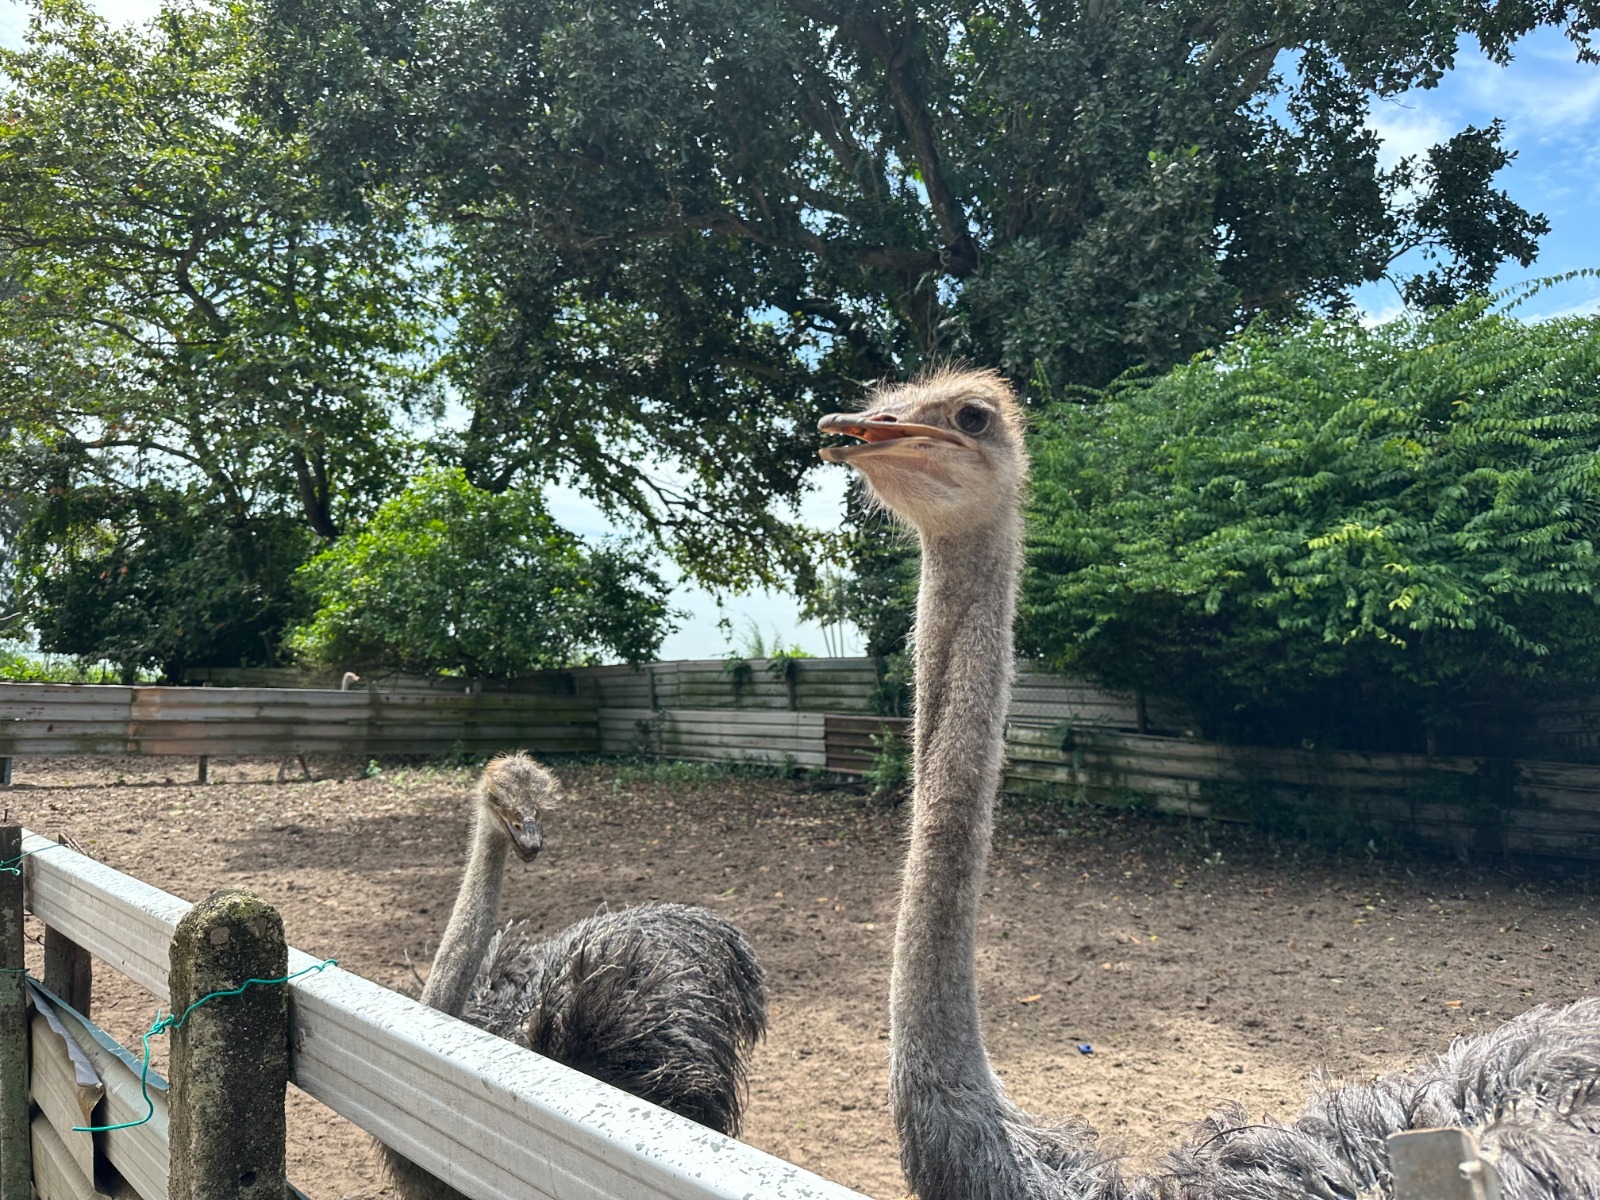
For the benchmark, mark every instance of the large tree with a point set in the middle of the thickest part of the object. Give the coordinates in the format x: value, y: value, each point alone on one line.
x: 684, y: 228
x: 199, y: 356
x: 760, y: 194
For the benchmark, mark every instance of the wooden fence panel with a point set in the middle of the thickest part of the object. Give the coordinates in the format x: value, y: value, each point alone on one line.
x: 487, y: 1116
x: 849, y: 740
x: 43, y: 719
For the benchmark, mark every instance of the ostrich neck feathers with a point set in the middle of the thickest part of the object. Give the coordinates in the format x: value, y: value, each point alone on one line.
x: 472, y: 920
x: 959, y: 1135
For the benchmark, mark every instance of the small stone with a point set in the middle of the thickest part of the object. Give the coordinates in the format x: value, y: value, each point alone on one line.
x: 218, y: 936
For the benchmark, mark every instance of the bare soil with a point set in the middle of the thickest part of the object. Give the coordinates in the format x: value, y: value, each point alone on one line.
x: 1199, y: 962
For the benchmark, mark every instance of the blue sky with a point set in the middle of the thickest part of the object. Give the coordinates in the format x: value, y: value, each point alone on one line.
x: 1551, y: 107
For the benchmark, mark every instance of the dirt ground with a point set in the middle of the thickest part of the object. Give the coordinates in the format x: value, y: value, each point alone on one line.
x: 1199, y: 962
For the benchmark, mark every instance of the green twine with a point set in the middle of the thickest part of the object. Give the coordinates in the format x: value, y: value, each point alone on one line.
x: 9, y: 866
x: 162, y: 1024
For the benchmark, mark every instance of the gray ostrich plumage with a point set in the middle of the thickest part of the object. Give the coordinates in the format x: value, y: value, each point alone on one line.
x: 946, y: 455
x: 665, y: 1001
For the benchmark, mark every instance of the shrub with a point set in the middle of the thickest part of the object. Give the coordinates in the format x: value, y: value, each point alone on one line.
x: 446, y: 577
x: 1332, y: 533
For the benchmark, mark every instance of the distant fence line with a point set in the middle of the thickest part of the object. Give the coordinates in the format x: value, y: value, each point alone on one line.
x: 53, y: 719
x: 817, y: 713
x: 817, y: 685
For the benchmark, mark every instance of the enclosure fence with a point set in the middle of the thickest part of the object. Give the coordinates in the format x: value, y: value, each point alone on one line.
x: 492, y: 1119
x: 1063, y: 734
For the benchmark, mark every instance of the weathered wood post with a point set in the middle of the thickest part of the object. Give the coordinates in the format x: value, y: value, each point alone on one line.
x: 68, y: 968
x: 16, y: 1151
x: 5, y: 771
x: 230, y: 1056
x: 204, y: 768
x: 1441, y: 1164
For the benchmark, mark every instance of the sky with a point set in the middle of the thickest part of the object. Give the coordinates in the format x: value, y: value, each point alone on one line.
x: 1551, y: 107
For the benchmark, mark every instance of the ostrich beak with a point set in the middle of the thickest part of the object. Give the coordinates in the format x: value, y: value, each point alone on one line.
x: 526, y: 839
x: 874, y: 432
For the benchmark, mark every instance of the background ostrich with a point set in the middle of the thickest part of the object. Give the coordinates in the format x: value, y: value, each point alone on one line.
x: 946, y: 455
x: 665, y: 1001
x: 344, y: 686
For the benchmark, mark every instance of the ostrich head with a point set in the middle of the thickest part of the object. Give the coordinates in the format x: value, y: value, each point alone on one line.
x: 511, y: 792
x: 943, y: 452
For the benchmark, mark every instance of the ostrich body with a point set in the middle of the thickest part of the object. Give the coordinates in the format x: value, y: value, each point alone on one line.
x: 664, y: 1001
x: 946, y: 455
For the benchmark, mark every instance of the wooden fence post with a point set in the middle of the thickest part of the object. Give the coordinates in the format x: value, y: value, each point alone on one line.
x: 230, y: 1056
x: 68, y: 968
x: 1441, y: 1164
x: 5, y: 771
x: 16, y: 1150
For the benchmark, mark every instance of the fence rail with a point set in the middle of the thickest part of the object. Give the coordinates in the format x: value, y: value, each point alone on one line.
x: 814, y: 713
x: 49, y: 719
x: 492, y: 1119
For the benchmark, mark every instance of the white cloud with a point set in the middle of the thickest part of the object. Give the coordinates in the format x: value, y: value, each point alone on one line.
x: 14, y: 16
x: 1409, y: 126
x: 1544, y: 93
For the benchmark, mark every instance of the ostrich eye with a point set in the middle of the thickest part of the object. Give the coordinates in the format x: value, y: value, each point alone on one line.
x: 972, y: 419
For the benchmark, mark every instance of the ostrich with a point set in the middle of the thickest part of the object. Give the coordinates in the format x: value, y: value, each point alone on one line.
x: 946, y: 455
x: 344, y: 686
x: 664, y: 1001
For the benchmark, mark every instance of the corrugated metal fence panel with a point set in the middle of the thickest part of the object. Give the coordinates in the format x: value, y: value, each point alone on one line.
x: 1566, y: 731
x: 804, y: 684
x: 714, y: 734
x: 614, y: 687
x: 64, y: 718
x: 1040, y: 698
x: 44, y: 719
x: 541, y: 683
x: 1546, y: 809
x: 850, y: 745
x: 839, y: 685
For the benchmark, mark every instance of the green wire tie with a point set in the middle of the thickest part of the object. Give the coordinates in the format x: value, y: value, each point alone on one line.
x: 9, y: 866
x: 162, y: 1024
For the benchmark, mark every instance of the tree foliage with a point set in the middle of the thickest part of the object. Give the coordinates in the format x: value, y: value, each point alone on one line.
x: 808, y: 188
x: 157, y: 577
x: 448, y: 576
x: 197, y: 355
x: 685, y: 228
x: 1330, y: 532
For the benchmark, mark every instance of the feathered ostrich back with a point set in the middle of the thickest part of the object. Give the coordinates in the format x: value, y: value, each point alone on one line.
x: 1529, y: 1089
x: 664, y: 1001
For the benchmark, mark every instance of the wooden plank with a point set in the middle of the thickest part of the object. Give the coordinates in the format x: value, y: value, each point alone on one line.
x: 492, y: 1119
x: 56, y: 1176
x: 64, y: 1099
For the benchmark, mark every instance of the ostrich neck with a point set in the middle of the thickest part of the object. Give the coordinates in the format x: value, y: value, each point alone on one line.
x: 472, y: 920
x: 965, y: 609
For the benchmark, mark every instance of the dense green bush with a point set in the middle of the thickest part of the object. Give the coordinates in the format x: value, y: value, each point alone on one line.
x: 1332, y: 533
x: 448, y: 577
x: 160, y: 578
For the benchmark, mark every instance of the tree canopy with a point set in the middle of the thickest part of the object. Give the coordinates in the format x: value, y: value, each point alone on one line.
x: 448, y: 576
x: 792, y: 192
x: 203, y: 364
x: 1330, y: 532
